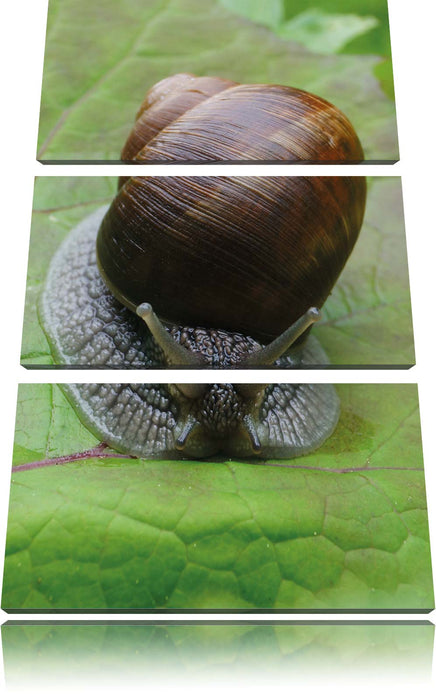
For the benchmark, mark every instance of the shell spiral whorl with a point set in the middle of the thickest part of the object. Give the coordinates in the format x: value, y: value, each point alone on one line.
x: 185, y: 118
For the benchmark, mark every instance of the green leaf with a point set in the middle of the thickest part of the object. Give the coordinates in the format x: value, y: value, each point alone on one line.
x: 366, y: 321
x: 343, y: 528
x: 325, y: 33
x: 375, y: 41
x: 383, y: 71
x: 268, y: 13
x: 39, y: 653
x: 101, y: 58
x: 57, y: 430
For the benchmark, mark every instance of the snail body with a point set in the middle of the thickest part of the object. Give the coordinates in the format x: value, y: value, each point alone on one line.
x: 197, y: 421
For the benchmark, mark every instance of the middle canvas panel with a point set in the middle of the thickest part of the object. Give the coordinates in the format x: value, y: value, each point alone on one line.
x: 245, y: 272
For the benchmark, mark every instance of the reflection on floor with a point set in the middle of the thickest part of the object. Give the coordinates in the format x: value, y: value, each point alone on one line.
x: 42, y: 653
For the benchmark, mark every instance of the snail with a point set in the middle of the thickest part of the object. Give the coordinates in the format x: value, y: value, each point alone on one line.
x: 202, y: 272
x: 210, y: 271
x: 200, y: 420
x: 185, y: 118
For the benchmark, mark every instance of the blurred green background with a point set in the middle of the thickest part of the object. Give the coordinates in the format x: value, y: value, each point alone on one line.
x: 330, y: 26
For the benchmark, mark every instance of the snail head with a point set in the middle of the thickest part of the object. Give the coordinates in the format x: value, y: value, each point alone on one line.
x: 219, y: 410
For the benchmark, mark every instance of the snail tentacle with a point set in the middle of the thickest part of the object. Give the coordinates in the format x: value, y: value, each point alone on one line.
x: 187, y: 429
x: 250, y: 391
x: 192, y: 391
x: 175, y: 353
x: 249, y: 424
x: 271, y: 352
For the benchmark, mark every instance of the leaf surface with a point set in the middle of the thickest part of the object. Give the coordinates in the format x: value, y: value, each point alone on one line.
x: 325, y: 33
x: 343, y: 528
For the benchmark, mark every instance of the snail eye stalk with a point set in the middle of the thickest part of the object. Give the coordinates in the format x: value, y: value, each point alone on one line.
x: 252, y: 433
x: 175, y: 353
x: 187, y: 429
x: 270, y: 353
x: 192, y: 391
x: 250, y: 391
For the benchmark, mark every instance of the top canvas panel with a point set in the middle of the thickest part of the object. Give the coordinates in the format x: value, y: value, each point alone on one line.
x: 255, y: 62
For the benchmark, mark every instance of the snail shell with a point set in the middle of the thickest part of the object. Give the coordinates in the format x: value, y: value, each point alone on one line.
x: 245, y: 254
x: 186, y: 118
x: 173, y: 421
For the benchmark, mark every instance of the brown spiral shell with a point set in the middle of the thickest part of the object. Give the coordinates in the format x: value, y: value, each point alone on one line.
x: 186, y: 118
x: 244, y: 254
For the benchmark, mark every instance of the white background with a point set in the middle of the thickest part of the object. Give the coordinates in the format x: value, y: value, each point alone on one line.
x: 413, y: 46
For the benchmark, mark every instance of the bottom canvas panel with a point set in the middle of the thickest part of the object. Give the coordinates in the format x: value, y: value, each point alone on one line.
x: 40, y: 654
x: 278, y: 498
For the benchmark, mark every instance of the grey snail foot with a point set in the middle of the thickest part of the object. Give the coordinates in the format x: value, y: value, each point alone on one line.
x: 281, y: 421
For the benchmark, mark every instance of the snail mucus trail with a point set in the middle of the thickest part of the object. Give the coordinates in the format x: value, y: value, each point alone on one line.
x: 235, y: 269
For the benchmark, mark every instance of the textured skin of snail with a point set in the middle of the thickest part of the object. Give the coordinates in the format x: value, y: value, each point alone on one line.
x: 185, y: 118
x: 87, y: 327
x: 147, y: 420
